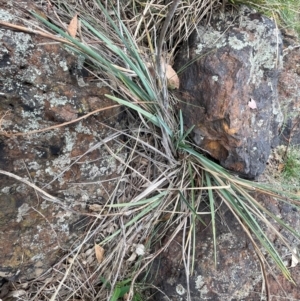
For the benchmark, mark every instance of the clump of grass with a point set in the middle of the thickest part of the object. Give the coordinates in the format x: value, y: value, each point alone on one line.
x: 291, y: 165
x: 167, y: 177
x: 286, y: 12
x: 283, y: 169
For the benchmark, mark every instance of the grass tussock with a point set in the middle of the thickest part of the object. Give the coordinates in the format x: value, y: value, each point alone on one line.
x: 286, y: 13
x: 166, y: 178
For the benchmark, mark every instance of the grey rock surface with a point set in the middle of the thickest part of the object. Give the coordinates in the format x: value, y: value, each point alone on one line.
x: 43, y: 85
x: 289, y: 90
x: 237, y: 275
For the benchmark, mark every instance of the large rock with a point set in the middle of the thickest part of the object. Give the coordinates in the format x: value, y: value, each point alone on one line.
x: 43, y: 85
x: 229, y: 89
x: 233, y: 278
x: 237, y: 275
x: 288, y: 90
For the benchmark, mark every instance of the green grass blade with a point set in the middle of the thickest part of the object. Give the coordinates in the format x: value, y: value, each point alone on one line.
x: 139, y: 67
x: 260, y: 207
x: 134, y: 220
x: 237, y: 205
x: 124, y: 290
x: 164, y: 125
x: 84, y: 48
x: 191, y: 208
x: 181, y: 133
x: 105, y: 64
x: 212, y: 212
x: 116, y: 294
x: 134, y: 88
x: 141, y: 202
x: 188, y: 132
x: 142, y: 74
x: 193, y: 225
x: 138, y: 109
x: 210, y: 165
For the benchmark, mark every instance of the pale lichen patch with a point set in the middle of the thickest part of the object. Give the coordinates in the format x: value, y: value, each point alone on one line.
x: 57, y: 101
x: 236, y: 43
x: 5, y: 190
x: 264, y: 42
x: 70, y: 139
x: 22, y: 211
x: 95, y: 171
x: 180, y: 289
x: 33, y: 165
x: 5, y: 16
x: 45, y: 205
x: 79, y: 128
x: 201, y: 286
x: 209, y: 37
x: 30, y: 74
x: 64, y: 65
x: 23, y: 43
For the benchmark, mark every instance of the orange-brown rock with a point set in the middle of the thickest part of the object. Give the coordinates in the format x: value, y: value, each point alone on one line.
x: 229, y: 89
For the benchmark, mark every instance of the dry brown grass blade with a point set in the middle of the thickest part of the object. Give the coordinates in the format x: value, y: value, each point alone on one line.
x: 163, y: 32
x: 261, y: 259
x: 41, y: 191
x: 143, y: 268
x: 37, y: 32
x: 45, y: 195
x: 4, y: 133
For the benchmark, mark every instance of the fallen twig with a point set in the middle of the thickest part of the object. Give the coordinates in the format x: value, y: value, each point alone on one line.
x: 4, y: 133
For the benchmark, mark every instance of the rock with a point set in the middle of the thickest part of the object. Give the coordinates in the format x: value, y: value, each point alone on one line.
x: 229, y: 89
x: 237, y: 275
x: 288, y: 90
x: 44, y: 85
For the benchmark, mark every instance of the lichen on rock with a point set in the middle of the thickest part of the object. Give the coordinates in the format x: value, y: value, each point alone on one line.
x: 40, y: 88
x: 229, y: 92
